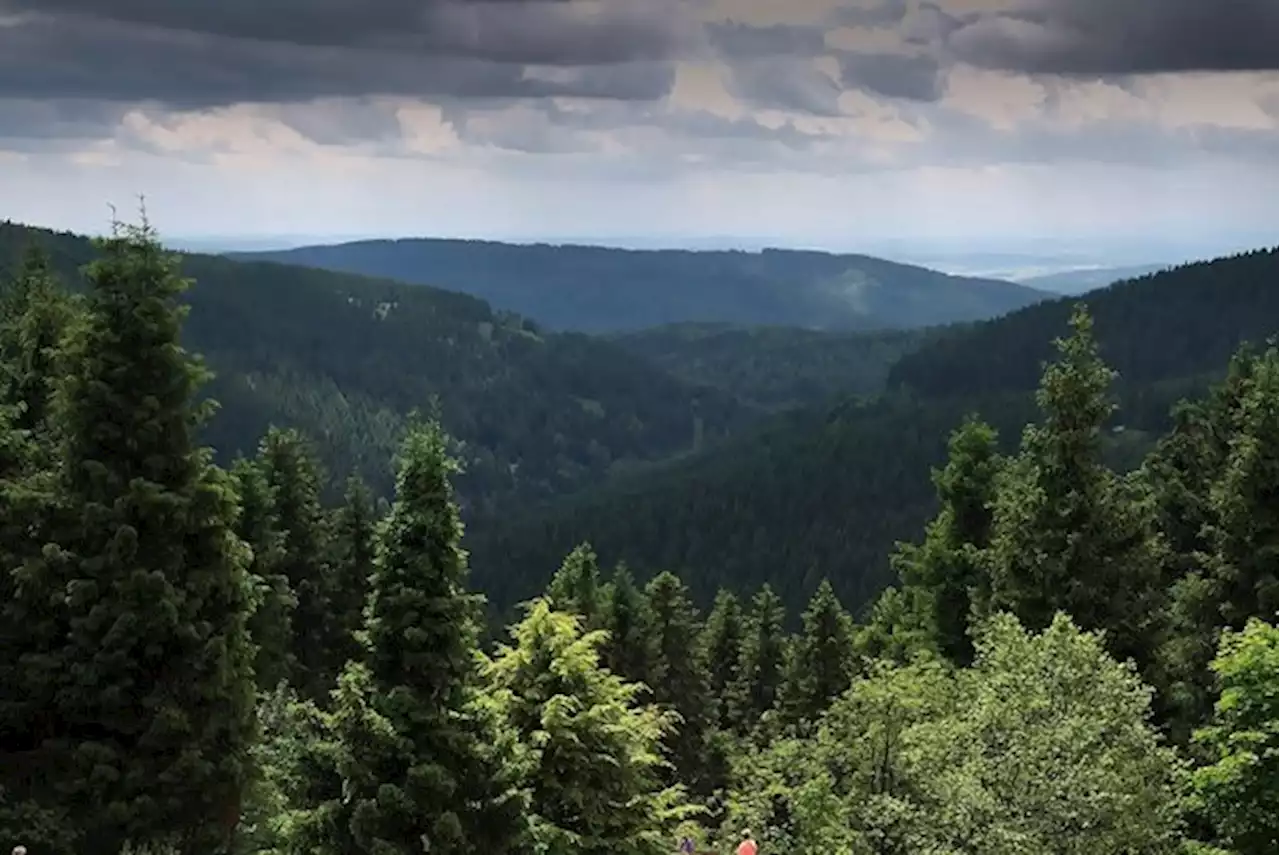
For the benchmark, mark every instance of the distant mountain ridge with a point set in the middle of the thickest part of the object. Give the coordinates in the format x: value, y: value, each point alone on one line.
x: 597, y: 289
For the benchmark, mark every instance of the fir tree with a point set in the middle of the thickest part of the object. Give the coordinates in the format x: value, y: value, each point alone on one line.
x: 271, y: 626
x: 576, y: 586
x: 1068, y: 534
x: 945, y: 576
x: 293, y: 478
x: 416, y: 764
x: 35, y: 315
x: 721, y: 642
x: 678, y: 672
x: 628, y: 651
x: 153, y: 714
x: 354, y: 527
x: 590, y: 755
x: 820, y: 664
x: 760, y: 662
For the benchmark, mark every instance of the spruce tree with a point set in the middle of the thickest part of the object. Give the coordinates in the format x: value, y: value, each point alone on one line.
x: 416, y: 764
x: 590, y: 759
x: 820, y: 661
x: 721, y: 642
x: 1068, y: 534
x: 153, y: 715
x: 760, y: 662
x: 271, y: 625
x: 293, y: 479
x: 945, y: 576
x: 576, y: 587
x: 628, y: 651
x: 354, y: 526
x: 678, y: 672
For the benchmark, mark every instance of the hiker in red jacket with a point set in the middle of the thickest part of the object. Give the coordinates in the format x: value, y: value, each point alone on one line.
x: 748, y: 845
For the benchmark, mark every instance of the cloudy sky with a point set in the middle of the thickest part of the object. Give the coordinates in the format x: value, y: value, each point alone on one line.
x: 822, y: 122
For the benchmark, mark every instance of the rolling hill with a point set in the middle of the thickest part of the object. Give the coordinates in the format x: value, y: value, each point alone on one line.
x: 776, y: 368
x: 1087, y: 279
x: 597, y: 289
x: 828, y: 490
x: 346, y: 357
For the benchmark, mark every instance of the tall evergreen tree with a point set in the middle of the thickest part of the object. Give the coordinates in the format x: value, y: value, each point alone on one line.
x: 293, y: 478
x: 760, y: 662
x: 628, y: 651
x: 678, y: 672
x: 35, y: 315
x: 271, y: 625
x: 354, y: 530
x: 590, y: 751
x: 945, y: 576
x: 1068, y: 534
x: 153, y: 713
x: 820, y: 662
x: 576, y: 587
x: 721, y: 643
x: 415, y: 764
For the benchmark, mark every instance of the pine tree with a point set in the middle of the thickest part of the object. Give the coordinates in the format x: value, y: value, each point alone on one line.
x: 35, y: 315
x: 416, y: 767
x: 293, y: 478
x: 354, y: 530
x: 1068, y: 534
x: 271, y: 625
x: 678, y: 672
x: 760, y: 662
x: 628, y: 651
x: 576, y: 587
x: 721, y: 642
x: 945, y: 575
x: 153, y: 712
x: 591, y: 762
x: 1183, y: 471
x: 820, y: 664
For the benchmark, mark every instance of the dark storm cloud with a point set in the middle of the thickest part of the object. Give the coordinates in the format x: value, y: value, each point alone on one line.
x: 785, y: 84
x: 46, y: 57
x: 1118, y: 37
x: 555, y: 32
x: 910, y: 77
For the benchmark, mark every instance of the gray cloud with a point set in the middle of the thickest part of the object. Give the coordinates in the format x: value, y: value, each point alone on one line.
x: 46, y: 57
x: 785, y: 84
x: 739, y: 41
x: 553, y: 32
x: 1119, y: 37
x: 913, y: 77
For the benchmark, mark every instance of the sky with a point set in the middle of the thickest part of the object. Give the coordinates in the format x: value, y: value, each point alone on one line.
x: 824, y: 123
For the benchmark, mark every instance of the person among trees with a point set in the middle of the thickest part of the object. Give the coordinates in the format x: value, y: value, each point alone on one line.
x: 748, y: 844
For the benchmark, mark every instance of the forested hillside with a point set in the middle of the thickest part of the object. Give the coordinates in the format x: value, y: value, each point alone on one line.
x: 1176, y: 322
x: 598, y: 289
x: 202, y: 662
x: 827, y: 492
x: 345, y: 359
x: 776, y: 368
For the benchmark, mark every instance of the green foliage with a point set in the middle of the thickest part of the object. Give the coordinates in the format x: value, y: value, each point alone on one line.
x: 678, y: 674
x: 1043, y: 746
x: 576, y: 587
x: 1068, y: 534
x: 721, y: 641
x: 354, y: 533
x: 945, y: 574
x: 628, y: 650
x: 143, y: 675
x: 1236, y: 790
x: 761, y: 660
x: 590, y: 754
x: 820, y: 662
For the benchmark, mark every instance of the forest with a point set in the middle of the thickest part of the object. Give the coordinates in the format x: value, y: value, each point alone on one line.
x: 1074, y: 656
x: 608, y: 290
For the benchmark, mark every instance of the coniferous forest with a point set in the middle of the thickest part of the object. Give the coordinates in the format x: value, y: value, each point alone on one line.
x: 1077, y: 653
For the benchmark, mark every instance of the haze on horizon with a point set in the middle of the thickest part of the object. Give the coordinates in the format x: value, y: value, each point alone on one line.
x: 824, y: 123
